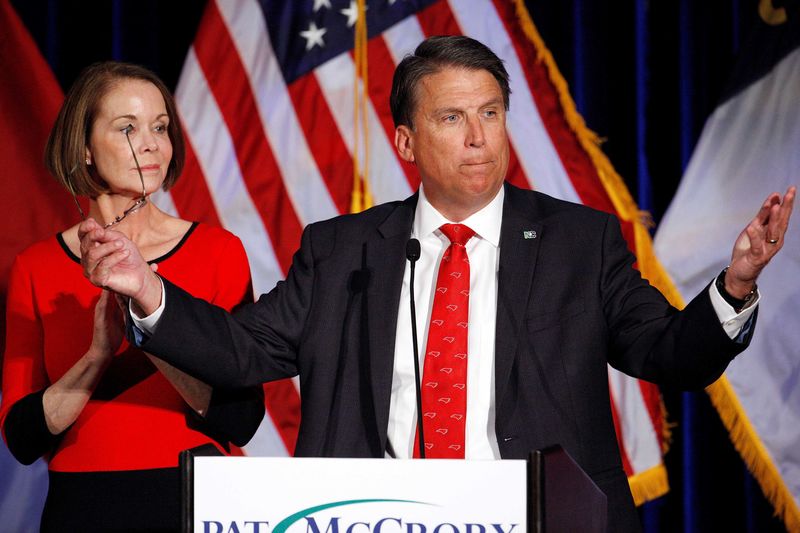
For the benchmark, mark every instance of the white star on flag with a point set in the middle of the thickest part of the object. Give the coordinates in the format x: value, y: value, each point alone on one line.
x: 313, y: 36
x: 351, y: 13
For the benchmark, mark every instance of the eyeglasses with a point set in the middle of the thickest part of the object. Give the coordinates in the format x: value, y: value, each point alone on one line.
x: 141, y: 202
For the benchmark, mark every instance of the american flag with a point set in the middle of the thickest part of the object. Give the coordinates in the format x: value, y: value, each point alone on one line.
x: 268, y: 97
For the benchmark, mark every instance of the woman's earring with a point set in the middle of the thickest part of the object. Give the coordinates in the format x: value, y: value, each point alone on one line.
x: 88, y: 161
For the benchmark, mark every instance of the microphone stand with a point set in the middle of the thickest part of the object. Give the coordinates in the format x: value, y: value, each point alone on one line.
x: 412, y: 254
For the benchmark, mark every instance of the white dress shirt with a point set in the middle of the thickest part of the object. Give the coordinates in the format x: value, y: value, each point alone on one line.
x: 484, y: 258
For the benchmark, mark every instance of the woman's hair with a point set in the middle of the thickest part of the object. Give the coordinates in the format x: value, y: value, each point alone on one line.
x: 65, y: 152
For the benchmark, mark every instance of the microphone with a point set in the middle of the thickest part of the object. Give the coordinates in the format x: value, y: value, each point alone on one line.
x: 412, y: 254
x: 412, y: 251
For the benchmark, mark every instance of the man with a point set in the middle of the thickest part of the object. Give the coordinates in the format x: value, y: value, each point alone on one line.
x: 544, y: 295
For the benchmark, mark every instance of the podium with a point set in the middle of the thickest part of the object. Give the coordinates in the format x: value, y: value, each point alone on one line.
x: 548, y: 493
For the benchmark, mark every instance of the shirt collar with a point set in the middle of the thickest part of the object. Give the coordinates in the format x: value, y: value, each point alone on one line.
x: 486, y: 223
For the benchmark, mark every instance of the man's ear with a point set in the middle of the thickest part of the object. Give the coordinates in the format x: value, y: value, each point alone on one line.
x: 404, y: 143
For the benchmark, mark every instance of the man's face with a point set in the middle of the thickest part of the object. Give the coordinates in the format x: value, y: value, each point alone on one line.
x: 459, y: 141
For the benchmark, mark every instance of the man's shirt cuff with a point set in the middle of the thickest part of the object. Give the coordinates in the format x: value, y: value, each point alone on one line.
x: 147, y: 325
x: 732, y: 322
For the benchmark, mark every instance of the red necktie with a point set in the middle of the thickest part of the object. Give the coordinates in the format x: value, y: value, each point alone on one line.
x: 444, y: 376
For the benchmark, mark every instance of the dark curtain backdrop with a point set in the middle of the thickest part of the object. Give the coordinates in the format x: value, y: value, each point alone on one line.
x: 645, y: 75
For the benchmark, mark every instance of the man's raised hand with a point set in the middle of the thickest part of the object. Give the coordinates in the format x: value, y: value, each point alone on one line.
x: 758, y: 243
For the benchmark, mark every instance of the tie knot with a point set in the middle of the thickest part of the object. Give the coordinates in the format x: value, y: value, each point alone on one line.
x: 457, y: 233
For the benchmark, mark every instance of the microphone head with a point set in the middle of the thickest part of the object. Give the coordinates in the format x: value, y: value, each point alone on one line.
x: 412, y: 250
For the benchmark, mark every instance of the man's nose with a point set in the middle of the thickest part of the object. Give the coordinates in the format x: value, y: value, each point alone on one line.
x: 475, y: 137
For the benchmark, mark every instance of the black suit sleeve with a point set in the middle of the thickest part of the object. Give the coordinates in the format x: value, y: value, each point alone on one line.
x: 257, y: 344
x: 652, y: 340
x: 234, y: 414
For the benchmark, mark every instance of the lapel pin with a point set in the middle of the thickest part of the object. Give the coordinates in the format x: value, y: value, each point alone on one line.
x: 529, y: 234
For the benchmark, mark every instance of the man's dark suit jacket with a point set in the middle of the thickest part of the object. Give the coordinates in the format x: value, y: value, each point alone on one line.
x: 569, y: 302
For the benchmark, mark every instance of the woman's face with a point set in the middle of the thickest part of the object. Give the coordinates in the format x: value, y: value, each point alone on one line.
x: 139, y: 104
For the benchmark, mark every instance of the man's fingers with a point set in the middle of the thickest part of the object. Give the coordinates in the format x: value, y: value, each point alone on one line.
x: 102, y: 269
x: 87, y: 238
x: 100, y: 251
x: 779, y: 216
x: 86, y: 226
x: 766, y: 208
x: 774, y: 232
x: 787, y: 207
x: 755, y: 232
x: 95, y: 237
x: 105, y: 256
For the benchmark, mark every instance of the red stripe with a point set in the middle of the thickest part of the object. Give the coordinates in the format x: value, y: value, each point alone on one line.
x: 438, y: 19
x: 381, y: 69
x: 228, y: 81
x: 191, y: 195
x: 283, y: 405
x: 324, y: 138
x: 626, y: 462
x: 515, y: 173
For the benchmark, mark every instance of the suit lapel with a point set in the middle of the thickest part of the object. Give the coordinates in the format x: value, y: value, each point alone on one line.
x: 386, y: 262
x: 519, y: 246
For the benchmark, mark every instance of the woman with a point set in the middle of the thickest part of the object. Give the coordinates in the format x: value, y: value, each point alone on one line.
x: 111, y: 419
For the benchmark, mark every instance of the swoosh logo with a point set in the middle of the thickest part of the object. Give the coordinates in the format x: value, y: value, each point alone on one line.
x: 287, y: 522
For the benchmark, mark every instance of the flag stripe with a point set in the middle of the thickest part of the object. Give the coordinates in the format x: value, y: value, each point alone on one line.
x: 283, y: 406
x: 438, y: 19
x: 330, y: 153
x: 381, y: 70
x: 305, y: 187
x: 216, y: 156
x: 623, y: 452
x: 636, y: 428
x: 651, y: 396
x: 402, y: 38
x: 388, y: 181
x: 225, y: 73
x: 192, y: 198
x: 268, y: 440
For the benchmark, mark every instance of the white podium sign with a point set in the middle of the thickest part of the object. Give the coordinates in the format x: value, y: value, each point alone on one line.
x: 311, y: 495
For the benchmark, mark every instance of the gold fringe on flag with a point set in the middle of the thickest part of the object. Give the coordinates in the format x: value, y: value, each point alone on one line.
x: 755, y: 455
x: 649, y: 485
x: 652, y: 483
x: 361, y: 197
